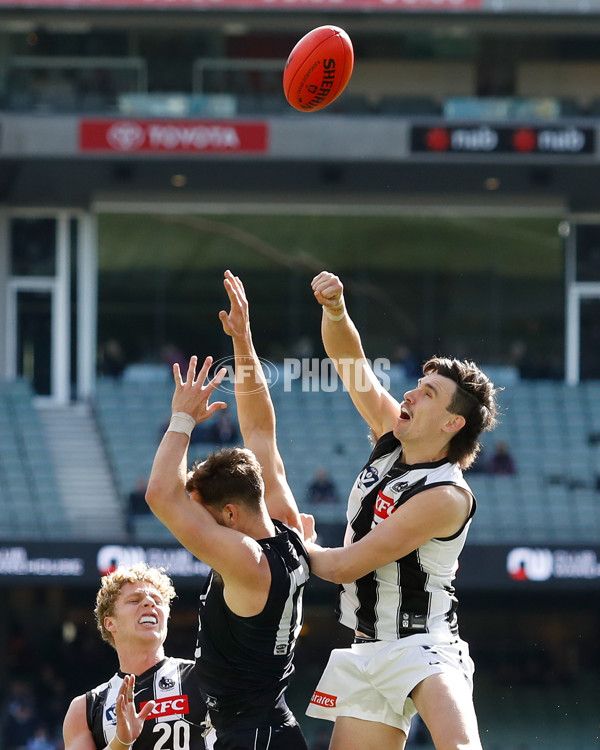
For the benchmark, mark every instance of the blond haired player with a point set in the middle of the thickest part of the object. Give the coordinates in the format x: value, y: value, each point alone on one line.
x: 153, y: 701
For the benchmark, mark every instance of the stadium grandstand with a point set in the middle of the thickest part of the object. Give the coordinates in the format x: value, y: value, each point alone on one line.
x: 146, y: 146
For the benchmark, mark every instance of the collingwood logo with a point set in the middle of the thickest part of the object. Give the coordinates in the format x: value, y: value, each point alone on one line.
x: 399, y: 486
x: 166, y: 683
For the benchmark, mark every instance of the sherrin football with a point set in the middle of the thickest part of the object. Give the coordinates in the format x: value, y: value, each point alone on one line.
x: 318, y: 68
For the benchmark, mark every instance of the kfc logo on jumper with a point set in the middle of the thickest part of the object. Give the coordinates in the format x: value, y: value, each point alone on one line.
x: 178, y: 704
x: 384, y: 506
x: 322, y: 699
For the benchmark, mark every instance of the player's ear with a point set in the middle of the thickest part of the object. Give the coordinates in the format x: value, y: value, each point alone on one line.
x: 109, y: 624
x: 455, y: 423
x: 230, y: 515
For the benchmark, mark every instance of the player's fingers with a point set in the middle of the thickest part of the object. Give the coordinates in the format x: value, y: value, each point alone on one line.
x: 232, y: 293
x: 319, y: 278
x: 327, y: 287
x: 216, y: 381
x: 122, y: 703
x: 146, y: 710
x: 177, y: 375
x: 204, y: 371
x: 241, y: 289
x: 216, y: 406
x: 331, y: 291
x: 228, y: 287
x: 192, y: 369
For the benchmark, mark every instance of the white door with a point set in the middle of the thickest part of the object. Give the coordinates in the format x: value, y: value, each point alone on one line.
x: 40, y: 252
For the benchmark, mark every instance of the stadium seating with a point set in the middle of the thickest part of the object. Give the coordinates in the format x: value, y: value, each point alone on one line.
x: 550, y: 428
x: 30, y: 503
x: 553, y: 432
x: 515, y: 717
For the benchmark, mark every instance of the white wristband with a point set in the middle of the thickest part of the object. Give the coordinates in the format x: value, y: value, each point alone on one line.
x: 181, y: 422
x: 127, y: 744
x: 334, y: 312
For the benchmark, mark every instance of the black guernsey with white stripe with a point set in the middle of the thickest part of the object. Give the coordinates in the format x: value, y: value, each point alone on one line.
x: 244, y: 663
x: 413, y: 595
x: 176, y: 721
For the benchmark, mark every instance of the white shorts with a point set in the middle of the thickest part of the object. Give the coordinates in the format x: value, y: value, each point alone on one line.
x: 373, y: 681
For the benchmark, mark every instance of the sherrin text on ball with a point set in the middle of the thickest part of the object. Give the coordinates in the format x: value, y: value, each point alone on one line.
x: 318, y: 68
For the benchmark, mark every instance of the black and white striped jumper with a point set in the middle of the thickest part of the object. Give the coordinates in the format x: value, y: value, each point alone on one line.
x: 412, y: 596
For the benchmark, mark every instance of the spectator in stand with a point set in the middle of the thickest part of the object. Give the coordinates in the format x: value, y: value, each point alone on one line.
x: 502, y: 462
x: 113, y: 359
x: 404, y: 356
x: 322, y: 489
x: 41, y: 740
x: 19, y: 722
x: 171, y: 353
x: 224, y: 431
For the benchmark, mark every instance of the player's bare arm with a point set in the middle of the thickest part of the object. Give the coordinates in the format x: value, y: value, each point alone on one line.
x: 77, y: 735
x: 343, y: 345
x: 238, y: 558
x: 256, y: 414
x: 432, y: 514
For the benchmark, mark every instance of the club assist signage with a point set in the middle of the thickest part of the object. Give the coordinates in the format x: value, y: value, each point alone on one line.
x: 542, y: 564
x: 528, y: 568
x: 482, y: 567
x: 176, y: 560
x: 81, y: 564
x: 24, y: 562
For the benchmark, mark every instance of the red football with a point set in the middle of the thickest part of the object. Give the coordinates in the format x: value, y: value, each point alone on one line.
x: 318, y: 68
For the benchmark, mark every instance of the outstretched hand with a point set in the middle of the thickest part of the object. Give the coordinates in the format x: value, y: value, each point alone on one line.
x: 237, y: 322
x: 191, y: 396
x: 328, y: 289
x: 129, y: 722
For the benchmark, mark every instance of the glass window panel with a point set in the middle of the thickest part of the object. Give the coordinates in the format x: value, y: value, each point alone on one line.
x: 33, y: 247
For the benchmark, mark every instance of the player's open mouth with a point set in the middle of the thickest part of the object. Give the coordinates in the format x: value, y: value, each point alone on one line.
x: 404, y: 414
x: 148, y: 620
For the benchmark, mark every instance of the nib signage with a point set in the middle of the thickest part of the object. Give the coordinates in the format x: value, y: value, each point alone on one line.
x: 538, y: 564
x: 477, y: 139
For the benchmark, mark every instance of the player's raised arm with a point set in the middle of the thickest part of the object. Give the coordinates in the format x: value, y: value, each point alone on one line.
x: 256, y: 414
x: 344, y: 347
x: 211, y: 537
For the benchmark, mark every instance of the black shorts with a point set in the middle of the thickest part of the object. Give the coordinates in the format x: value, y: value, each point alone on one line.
x: 287, y: 736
